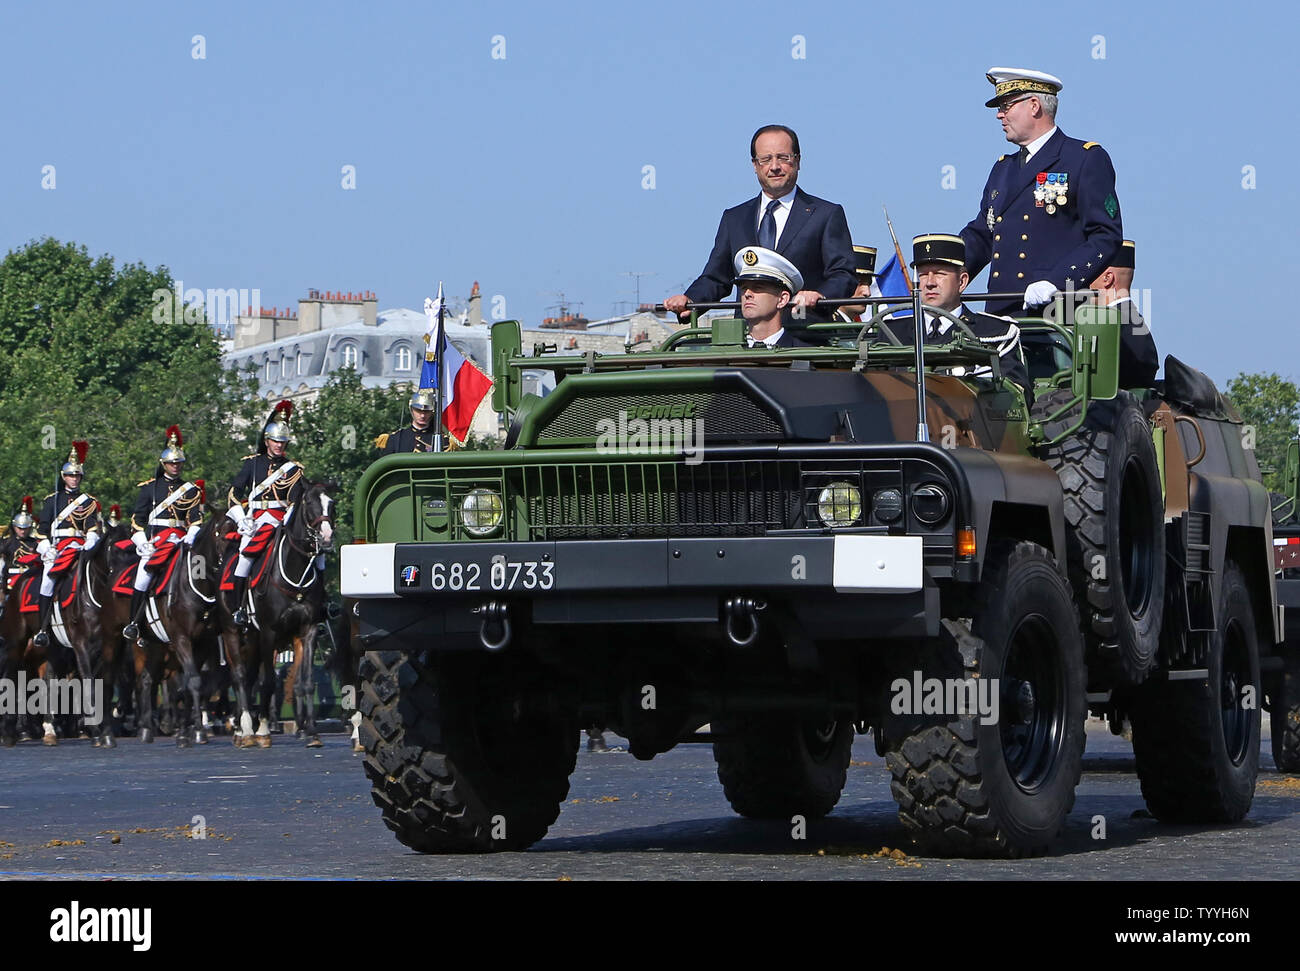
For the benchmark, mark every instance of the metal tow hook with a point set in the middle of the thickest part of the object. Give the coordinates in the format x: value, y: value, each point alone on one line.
x: 746, y: 609
x: 494, y: 614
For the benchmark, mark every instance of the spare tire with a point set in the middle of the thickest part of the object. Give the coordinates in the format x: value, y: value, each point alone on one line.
x: 1115, y: 535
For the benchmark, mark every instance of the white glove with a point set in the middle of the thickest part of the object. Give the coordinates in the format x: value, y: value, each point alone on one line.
x: 48, y: 556
x: 1040, y: 293
x: 236, y: 514
x: 92, y: 540
x: 192, y: 534
x: 246, y: 526
x: 42, y: 546
x: 139, y: 538
x: 146, y: 550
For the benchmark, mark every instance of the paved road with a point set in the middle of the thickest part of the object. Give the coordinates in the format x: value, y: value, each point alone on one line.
x: 298, y: 813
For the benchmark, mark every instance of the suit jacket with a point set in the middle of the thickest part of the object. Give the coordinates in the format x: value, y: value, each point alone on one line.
x: 997, y: 331
x: 815, y: 239
x: 1021, y: 241
x: 1138, y: 358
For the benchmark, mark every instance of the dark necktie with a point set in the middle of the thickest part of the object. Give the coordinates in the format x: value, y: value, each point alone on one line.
x: 1024, y: 155
x: 767, y: 228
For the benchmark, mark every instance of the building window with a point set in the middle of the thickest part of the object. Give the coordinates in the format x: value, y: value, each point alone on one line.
x: 403, y: 358
x: 302, y: 363
x: 270, y: 374
x: 284, y: 366
x: 350, y: 355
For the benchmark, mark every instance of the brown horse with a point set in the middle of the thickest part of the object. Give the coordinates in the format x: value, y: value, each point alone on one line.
x: 176, y: 633
x: 285, y: 607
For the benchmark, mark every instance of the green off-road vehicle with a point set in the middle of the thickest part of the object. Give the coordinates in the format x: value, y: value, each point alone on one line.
x: 1283, y: 685
x: 770, y: 550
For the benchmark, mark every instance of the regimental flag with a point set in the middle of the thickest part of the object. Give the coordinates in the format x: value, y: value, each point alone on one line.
x: 892, y: 280
x: 463, y: 385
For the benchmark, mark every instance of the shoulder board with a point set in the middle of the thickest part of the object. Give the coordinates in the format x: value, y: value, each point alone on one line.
x: 1091, y: 144
x: 144, y: 483
x: 1002, y: 158
x: 381, y: 441
x: 254, y: 455
x: 50, y: 496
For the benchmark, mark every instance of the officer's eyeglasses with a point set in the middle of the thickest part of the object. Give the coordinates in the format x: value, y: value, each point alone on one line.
x: 1003, y: 108
x: 766, y: 160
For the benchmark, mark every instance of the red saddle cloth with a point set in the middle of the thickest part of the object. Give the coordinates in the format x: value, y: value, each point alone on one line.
x: 259, y: 547
x: 26, y: 560
x: 166, y: 554
x: 66, y: 555
x: 29, y: 591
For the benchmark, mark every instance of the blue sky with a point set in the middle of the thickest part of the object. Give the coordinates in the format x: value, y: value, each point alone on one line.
x: 526, y: 172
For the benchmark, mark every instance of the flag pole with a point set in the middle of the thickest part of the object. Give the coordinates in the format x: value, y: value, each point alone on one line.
x: 440, y: 337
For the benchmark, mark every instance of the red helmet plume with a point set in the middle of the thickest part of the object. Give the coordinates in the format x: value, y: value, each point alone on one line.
x: 203, y: 491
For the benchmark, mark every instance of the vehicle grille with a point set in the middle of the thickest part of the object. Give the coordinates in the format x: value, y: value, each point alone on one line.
x: 727, y: 416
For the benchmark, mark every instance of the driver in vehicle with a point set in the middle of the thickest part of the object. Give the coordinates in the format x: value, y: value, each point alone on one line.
x: 939, y: 260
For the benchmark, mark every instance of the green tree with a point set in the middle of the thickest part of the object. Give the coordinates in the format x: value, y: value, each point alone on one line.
x: 84, y: 354
x: 1270, y: 406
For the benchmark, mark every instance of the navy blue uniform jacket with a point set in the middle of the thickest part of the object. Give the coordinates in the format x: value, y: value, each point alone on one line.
x: 815, y: 239
x: 1027, y: 243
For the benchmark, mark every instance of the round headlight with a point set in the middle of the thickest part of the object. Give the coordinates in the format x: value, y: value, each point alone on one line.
x: 839, y: 504
x: 481, y: 511
x: 930, y: 504
x: 888, y: 505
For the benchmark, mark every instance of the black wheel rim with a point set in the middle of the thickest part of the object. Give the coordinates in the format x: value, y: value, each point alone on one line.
x: 1136, y: 553
x: 1032, y: 703
x: 819, y: 738
x: 1233, y: 680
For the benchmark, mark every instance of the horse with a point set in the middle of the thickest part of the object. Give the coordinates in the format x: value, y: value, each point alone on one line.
x: 286, y: 601
x: 176, y: 632
x: 101, y: 656
x: 345, y: 662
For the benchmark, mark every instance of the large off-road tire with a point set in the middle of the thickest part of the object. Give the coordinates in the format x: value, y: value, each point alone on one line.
x: 1196, y: 742
x: 968, y: 785
x: 1115, y: 532
x: 458, y: 759
x: 778, y: 766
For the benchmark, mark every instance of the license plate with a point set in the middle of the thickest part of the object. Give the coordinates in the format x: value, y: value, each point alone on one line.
x: 499, y: 576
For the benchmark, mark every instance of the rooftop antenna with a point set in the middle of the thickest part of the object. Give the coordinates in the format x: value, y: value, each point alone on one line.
x: 637, y: 275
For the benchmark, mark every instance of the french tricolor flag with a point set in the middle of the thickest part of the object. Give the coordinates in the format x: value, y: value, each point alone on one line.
x: 463, y: 385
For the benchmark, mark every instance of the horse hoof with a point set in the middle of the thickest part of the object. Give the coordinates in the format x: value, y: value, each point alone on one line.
x: 110, y: 741
x: 315, y: 742
x: 245, y: 741
x: 358, y: 747
x: 263, y: 741
x: 50, y: 740
x: 94, y: 743
x: 182, y: 741
x: 201, y: 737
x: 146, y: 736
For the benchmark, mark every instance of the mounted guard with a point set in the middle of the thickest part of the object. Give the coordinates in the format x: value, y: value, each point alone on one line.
x: 168, y: 512
x: 262, y: 496
x: 18, y: 549
x: 70, y: 522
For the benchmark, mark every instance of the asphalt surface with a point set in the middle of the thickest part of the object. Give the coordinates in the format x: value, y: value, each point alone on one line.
x: 297, y: 813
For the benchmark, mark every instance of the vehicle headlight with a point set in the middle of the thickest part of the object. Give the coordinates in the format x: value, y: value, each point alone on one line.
x: 930, y: 504
x: 839, y: 504
x: 481, y: 511
x: 888, y: 505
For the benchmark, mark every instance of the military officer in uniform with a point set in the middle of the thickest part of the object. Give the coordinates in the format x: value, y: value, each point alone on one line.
x: 70, y: 522
x: 418, y: 436
x: 939, y: 260
x: 1049, y: 218
x: 1138, y: 358
x: 864, y: 270
x: 767, y: 282
x: 169, y: 510
x: 262, y: 495
x: 18, y: 549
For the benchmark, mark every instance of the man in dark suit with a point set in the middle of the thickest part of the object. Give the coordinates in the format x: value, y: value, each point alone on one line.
x: 1049, y: 219
x: 939, y: 260
x: 811, y: 233
x: 1138, y: 358
x: 767, y: 282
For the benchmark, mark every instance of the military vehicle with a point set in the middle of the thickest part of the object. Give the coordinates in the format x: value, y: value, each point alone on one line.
x: 1283, y: 686
x: 769, y: 550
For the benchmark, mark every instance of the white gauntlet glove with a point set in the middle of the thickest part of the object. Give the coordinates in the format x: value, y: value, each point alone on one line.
x: 246, y: 526
x: 1040, y: 293
x: 92, y: 540
x: 192, y: 534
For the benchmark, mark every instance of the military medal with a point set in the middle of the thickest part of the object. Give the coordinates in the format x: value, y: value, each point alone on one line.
x: 991, y: 220
x: 1051, y: 209
x: 1040, y: 190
